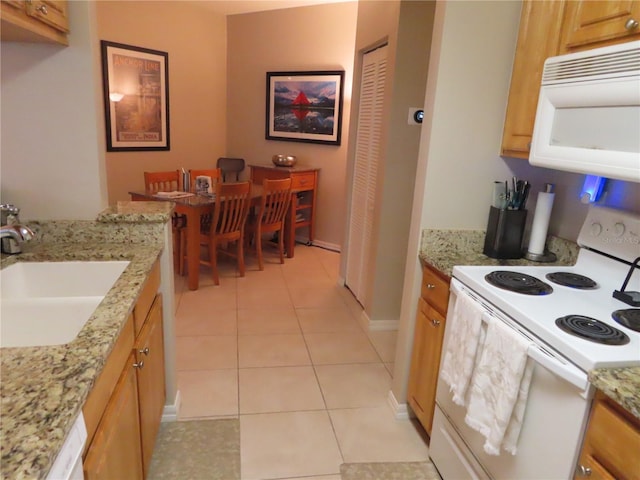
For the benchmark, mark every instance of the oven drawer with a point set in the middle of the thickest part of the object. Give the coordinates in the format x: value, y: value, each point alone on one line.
x: 435, y: 290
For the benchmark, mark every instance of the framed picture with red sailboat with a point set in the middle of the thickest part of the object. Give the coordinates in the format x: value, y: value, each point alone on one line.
x: 304, y: 106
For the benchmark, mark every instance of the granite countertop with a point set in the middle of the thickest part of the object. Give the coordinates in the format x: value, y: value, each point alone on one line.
x: 622, y: 385
x: 43, y: 389
x: 443, y: 249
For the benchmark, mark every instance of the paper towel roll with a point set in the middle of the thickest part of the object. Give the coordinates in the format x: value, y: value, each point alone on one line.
x: 540, y: 225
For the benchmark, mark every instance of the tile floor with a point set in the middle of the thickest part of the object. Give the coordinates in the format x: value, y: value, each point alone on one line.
x: 282, y: 350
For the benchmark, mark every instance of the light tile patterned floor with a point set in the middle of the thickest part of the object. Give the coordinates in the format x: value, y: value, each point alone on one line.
x: 282, y: 349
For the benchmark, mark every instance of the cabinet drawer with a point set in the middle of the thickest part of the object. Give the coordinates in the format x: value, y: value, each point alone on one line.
x: 435, y: 290
x: 303, y: 181
x: 146, y: 298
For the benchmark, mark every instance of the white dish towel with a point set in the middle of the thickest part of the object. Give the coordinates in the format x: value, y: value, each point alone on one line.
x: 499, y: 388
x: 462, y: 344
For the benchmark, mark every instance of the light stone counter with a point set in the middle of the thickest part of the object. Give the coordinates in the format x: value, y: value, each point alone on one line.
x: 443, y: 249
x: 43, y: 389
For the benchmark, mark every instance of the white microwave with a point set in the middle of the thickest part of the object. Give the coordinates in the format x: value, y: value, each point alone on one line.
x: 588, y: 116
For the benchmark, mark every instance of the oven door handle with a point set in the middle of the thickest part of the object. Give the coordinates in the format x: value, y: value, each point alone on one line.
x: 566, y: 371
x: 555, y: 365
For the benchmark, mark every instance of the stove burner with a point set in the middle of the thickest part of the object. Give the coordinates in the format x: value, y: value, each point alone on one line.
x: 592, y: 330
x: 629, y: 317
x: 572, y: 280
x: 518, y: 282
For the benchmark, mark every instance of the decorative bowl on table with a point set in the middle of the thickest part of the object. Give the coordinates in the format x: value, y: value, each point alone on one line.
x: 284, y: 160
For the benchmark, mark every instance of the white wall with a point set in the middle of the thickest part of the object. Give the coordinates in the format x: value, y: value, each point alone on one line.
x: 465, y: 101
x: 52, y: 158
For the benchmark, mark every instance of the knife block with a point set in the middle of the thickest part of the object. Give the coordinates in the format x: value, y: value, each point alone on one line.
x: 505, y: 230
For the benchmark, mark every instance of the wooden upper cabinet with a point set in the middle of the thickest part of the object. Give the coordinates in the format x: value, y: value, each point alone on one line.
x: 592, y: 24
x: 34, y: 21
x: 538, y: 38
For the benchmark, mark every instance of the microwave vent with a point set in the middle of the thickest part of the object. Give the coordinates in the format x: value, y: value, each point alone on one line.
x: 613, y: 62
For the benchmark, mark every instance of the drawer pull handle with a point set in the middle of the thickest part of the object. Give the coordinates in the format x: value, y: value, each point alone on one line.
x: 43, y: 9
x: 435, y: 322
x: 144, y: 351
x: 584, y: 471
x: 139, y: 364
x: 430, y: 286
x: 631, y: 24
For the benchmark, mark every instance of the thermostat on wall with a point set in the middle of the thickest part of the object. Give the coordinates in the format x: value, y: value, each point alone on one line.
x: 416, y: 115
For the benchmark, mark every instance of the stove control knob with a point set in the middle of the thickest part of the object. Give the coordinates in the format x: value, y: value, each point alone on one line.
x: 596, y: 229
x: 619, y: 229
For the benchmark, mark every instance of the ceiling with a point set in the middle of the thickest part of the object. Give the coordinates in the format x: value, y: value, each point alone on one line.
x: 234, y: 7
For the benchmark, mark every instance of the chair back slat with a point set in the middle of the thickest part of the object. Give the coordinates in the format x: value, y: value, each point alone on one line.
x: 162, y: 181
x: 276, y: 195
x: 231, y: 209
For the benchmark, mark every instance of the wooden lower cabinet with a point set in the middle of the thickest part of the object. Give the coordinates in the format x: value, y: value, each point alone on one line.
x: 611, y: 448
x: 425, y: 360
x: 150, y: 375
x: 115, y: 449
x: 124, y: 409
x: 427, y: 345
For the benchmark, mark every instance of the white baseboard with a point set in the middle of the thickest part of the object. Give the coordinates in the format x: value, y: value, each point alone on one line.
x: 170, y: 412
x: 319, y: 243
x: 400, y: 410
x: 377, y: 325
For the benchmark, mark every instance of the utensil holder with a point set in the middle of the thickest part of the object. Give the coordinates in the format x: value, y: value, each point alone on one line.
x: 505, y: 230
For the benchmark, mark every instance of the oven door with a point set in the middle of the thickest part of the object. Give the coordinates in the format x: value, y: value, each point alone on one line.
x: 554, y: 422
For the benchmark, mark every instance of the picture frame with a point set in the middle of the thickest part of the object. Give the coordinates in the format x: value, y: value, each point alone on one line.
x: 136, y: 97
x: 305, y: 106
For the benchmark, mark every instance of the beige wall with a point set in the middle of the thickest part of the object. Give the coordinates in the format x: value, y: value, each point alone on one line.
x: 195, y: 39
x: 406, y: 28
x: 52, y: 146
x: 306, y: 38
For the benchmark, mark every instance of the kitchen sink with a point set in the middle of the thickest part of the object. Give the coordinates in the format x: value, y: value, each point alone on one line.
x: 48, y: 303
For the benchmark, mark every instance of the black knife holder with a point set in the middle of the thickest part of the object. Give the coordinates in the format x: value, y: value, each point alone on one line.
x: 505, y: 230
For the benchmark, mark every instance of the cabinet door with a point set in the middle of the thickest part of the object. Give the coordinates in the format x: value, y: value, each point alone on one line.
x: 51, y: 12
x: 591, y: 24
x: 538, y: 39
x: 115, y: 451
x: 151, y: 385
x: 425, y: 363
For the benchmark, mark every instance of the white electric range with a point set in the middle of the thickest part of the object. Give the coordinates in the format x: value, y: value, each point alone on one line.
x: 571, y: 330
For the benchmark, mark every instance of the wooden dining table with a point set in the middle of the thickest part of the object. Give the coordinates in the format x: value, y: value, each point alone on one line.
x: 192, y: 207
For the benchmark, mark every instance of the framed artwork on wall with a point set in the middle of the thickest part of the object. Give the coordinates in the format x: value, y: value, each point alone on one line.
x: 136, y: 97
x: 304, y: 106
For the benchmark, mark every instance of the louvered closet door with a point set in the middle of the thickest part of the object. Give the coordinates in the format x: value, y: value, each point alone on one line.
x: 365, y: 175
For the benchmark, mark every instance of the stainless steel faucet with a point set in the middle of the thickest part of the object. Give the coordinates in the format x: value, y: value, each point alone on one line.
x: 18, y: 233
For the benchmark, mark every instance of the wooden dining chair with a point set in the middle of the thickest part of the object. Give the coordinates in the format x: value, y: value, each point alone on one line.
x: 227, y: 225
x: 230, y: 167
x: 205, y: 220
x: 169, y: 181
x: 274, y: 204
x: 162, y: 181
x: 214, y: 173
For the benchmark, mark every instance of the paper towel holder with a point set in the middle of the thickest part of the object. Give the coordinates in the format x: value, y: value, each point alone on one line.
x: 546, y: 256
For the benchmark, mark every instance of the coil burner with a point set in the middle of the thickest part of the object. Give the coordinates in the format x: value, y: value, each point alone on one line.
x: 573, y: 280
x: 629, y: 317
x: 592, y: 330
x: 518, y: 282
